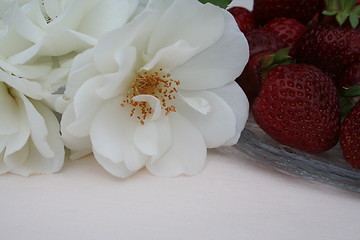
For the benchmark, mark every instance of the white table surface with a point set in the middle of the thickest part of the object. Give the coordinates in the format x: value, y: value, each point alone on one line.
x: 232, y: 198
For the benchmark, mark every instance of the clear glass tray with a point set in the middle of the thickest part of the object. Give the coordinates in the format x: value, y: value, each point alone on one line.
x: 328, y: 167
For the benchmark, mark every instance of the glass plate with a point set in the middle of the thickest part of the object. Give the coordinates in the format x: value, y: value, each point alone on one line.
x: 328, y: 167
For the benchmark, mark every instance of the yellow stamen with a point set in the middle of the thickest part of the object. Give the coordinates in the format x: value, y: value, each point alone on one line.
x: 154, y: 82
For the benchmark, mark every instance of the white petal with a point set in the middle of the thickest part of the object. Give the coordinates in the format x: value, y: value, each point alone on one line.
x: 135, y: 33
x: 9, y: 120
x: 16, y: 159
x: 24, y: 56
x: 197, y: 24
x: 237, y: 100
x: 153, y: 138
x: 74, y: 143
x: 116, y: 82
x: 217, y: 126
x: 106, y: 16
x: 39, y: 131
x: 86, y: 104
x: 118, y: 169
x: 217, y: 65
x: 72, y: 14
x: 153, y: 102
x: 82, y: 69
x: 3, y: 167
x: 11, y: 42
x: 187, y: 154
x: 24, y: 26
x: 37, y: 163
x: 18, y: 140
x: 27, y: 71
x: 65, y: 41
x: 31, y: 89
x: 197, y: 103
x: 111, y: 135
x: 165, y: 56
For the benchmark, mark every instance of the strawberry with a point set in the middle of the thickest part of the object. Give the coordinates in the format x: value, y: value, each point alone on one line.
x: 288, y: 29
x: 261, y: 40
x: 255, y: 70
x: 351, y: 76
x: 329, y: 47
x: 350, y: 137
x: 301, y: 10
x: 298, y: 106
x: 243, y: 18
x: 251, y: 77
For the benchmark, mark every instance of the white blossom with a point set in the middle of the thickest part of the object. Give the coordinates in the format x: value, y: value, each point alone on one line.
x: 39, y: 38
x: 158, y: 91
x: 30, y: 141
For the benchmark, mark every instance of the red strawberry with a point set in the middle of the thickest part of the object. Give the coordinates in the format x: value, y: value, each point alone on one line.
x: 243, y: 18
x: 301, y: 10
x: 261, y: 40
x: 255, y: 70
x: 288, y: 29
x: 251, y: 78
x: 298, y: 106
x: 351, y: 76
x: 331, y: 48
x: 350, y: 137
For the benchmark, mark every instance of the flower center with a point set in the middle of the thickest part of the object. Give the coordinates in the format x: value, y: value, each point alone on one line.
x: 154, y: 82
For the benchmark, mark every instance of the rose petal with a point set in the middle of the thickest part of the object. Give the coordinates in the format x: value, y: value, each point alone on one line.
x: 237, y: 100
x: 165, y: 56
x: 135, y: 33
x: 31, y: 89
x: 118, y: 169
x: 3, y: 167
x: 189, y: 21
x: 111, y: 135
x: 32, y: 71
x: 207, y: 69
x: 15, y: 159
x: 114, y: 83
x: 18, y: 140
x: 23, y: 26
x: 84, y: 98
x: 217, y: 126
x: 9, y: 120
x: 101, y: 18
x: 39, y: 131
x: 80, y: 146
x: 153, y: 138
x: 153, y: 102
x: 36, y: 162
x: 82, y: 69
x: 197, y: 103
x: 187, y: 154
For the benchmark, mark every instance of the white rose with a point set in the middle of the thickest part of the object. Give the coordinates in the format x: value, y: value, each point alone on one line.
x: 159, y: 90
x: 39, y: 38
x: 30, y: 141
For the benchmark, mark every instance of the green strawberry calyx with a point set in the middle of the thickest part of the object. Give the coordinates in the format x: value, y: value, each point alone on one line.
x: 272, y: 60
x: 343, y: 10
x: 348, y: 99
x: 220, y: 3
